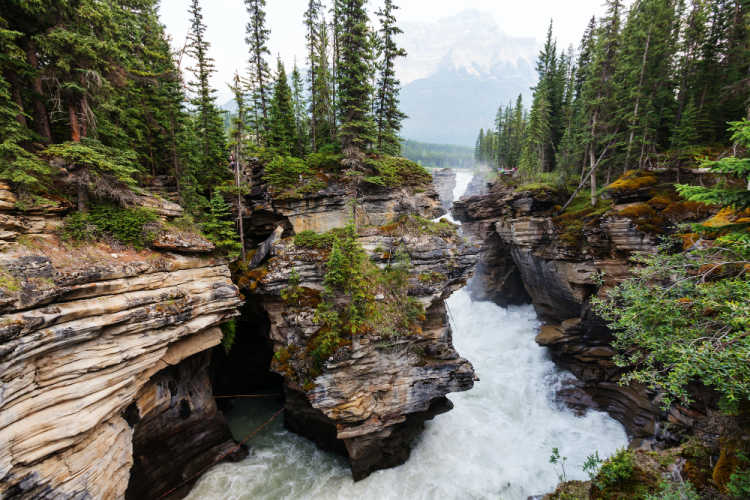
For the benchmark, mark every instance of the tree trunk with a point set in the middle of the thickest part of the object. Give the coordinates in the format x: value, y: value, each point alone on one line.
x: 240, y: 220
x: 638, y: 99
x: 592, y: 159
x: 41, y: 120
x: 75, y: 129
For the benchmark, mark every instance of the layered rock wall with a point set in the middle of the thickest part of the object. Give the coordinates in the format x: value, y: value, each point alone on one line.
x: 373, y: 394
x: 562, y: 261
x: 85, y: 332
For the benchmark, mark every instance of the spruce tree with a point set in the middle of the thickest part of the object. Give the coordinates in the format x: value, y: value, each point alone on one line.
x: 22, y: 168
x: 301, y: 120
x: 313, y: 35
x: 238, y: 138
x: 218, y: 226
x: 388, y: 115
x: 354, y: 91
x: 208, y: 125
x: 324, y: 90
x: 259, y: 79
x: 281, y: 123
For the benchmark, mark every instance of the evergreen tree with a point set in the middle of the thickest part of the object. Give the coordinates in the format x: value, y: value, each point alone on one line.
x: 301, y: 121
x: 313, y: 35
x: 353, y: 71
x: 238, y: 138
x: 281, y: 124
x: 388, y: 115
x: 324, y: 90
x: 260, y: 74
x: 208, y: 124
x: 22, y: 168
x: 218, y: 226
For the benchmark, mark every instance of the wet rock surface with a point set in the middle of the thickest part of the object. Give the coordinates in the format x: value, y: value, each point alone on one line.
x: 559, y: 260
x: 371, y: 396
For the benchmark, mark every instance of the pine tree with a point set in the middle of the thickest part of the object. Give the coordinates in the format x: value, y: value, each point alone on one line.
x: 208, y: 124
x: 353, y: 71
x: 324, y: 90
x: 260, y: 74
x: 599, y: 92
x: 313, y: 35
x: 238, y: 138
x: 22, y: 168
x: 388, y: 115
x: 301, y: 121
x: 281, y: 123
x: 218, y: 226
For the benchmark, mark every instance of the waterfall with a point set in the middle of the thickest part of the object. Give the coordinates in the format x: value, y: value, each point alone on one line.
x: 495, y: 443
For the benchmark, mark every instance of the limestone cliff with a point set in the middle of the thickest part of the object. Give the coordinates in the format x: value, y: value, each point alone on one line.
x: 563, y: 259
x: 369, y: 398
x: 88, y: 336
x: 444, y: 181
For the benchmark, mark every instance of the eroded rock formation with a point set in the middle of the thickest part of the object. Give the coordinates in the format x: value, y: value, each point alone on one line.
x: 562, y: 261
x: 444, y: 181
x: 90, y: 340
x: 372, y: 395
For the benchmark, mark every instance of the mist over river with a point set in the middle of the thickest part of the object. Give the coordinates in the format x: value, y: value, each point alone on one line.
x: 495, y: 443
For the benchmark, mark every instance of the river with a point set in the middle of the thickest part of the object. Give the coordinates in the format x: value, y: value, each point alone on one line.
x: 495, y: 443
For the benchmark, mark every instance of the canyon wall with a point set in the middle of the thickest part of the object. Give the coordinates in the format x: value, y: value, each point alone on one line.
x: 560, y: 261
x: 370, y: 398
x: 92, y: 338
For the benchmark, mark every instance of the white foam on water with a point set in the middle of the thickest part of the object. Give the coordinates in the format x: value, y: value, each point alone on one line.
x: 495, y: 443
x: 463, y: 179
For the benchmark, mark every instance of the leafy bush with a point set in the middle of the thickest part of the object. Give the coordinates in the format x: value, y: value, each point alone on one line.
x: 684, y: 317
x: 592, y: 464
x: 615, y: 470
x: 392, y: 171
x: 311, y: 239
x: 126, y: 225
x: 739, y: 481
x: 285, y: 171
x: 674, y: 491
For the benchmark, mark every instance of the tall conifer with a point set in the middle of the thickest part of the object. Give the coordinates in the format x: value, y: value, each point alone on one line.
x: 388, y: 116
x: 259, y: 79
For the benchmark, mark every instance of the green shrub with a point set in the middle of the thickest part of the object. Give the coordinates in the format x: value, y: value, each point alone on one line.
x: 615, y: 470
x: 126, y: 225
x: 286, y: 171
x: 311, y: 239
x: 674, y: 491
x: 739, y: 481
x: 684, y: 317
x: 392, y: 171
x: 324, y: 161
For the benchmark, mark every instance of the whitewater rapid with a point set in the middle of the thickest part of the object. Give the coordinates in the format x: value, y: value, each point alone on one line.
x: 495, y: 443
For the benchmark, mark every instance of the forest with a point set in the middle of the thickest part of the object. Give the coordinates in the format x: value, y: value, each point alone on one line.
x: 95, y: 104
x: 438, y: 155
x: 653, y: 85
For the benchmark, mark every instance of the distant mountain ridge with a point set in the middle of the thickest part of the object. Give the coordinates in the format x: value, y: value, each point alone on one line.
x: 458, y: 71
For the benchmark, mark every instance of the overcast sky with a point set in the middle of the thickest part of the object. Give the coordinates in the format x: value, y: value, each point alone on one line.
x: 226, y: 19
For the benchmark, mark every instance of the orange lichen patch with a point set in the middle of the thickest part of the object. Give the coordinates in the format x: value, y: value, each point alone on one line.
x: 687, y: 210
x: 390, y: 229
x: 637, y: 210
x: 688, y: 240
x: 725, y: 467
x: 633, y: 180
x: 724, y: 217
x: 645, y: 218
x: 249, y: 280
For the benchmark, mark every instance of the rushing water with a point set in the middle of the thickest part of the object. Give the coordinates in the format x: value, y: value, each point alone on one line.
x: 495, y: 443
